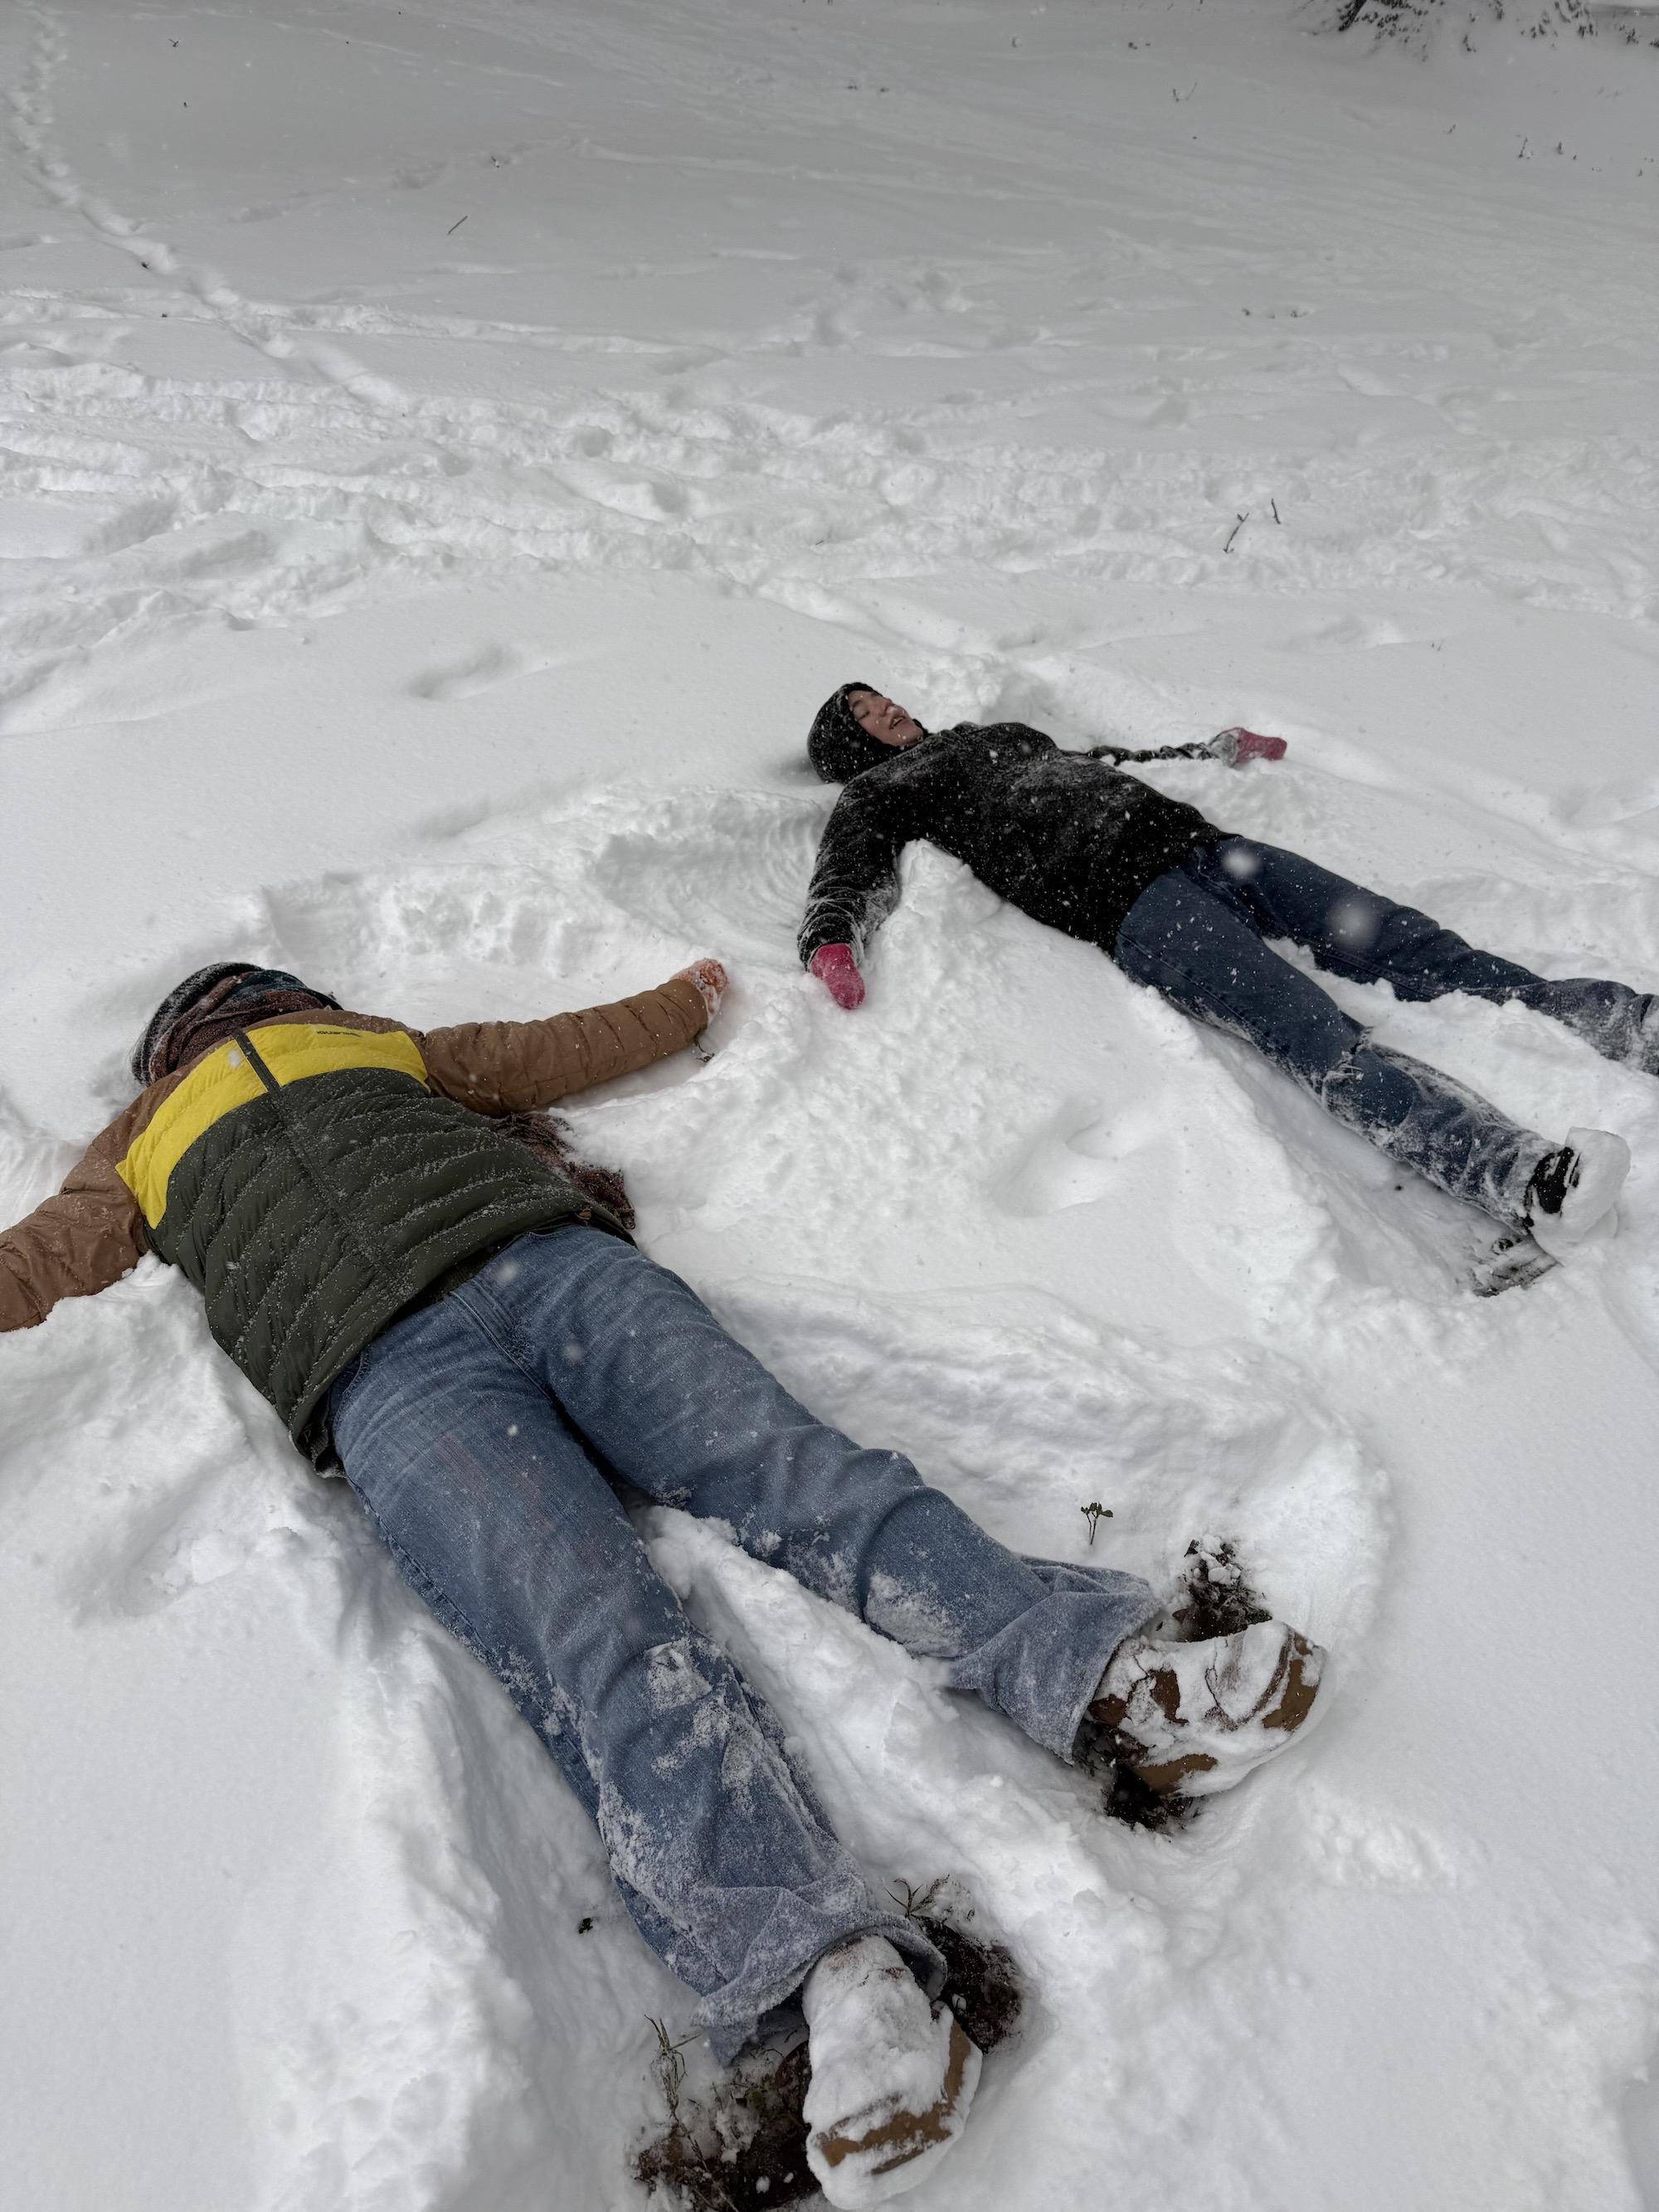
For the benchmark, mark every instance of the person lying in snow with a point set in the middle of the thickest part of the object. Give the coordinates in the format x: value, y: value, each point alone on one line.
x: 468, y: 1333
x: 1184, y: 907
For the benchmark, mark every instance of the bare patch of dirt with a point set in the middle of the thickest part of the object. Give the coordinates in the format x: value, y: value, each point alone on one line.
x: 1215, y: 1599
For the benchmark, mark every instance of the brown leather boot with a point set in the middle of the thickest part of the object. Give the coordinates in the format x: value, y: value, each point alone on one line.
x: 1194, y: 1718
x: 893, y: 2075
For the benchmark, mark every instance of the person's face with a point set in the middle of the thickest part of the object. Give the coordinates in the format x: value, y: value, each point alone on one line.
x: 887, y: 724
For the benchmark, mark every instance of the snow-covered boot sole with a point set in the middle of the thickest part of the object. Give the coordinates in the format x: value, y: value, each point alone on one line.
x: 1196, y: 1718
x: 893, y: 2075
x: 1585, y: 1182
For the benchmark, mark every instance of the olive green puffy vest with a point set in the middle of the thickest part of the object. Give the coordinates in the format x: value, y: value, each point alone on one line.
x: 312, y: 1187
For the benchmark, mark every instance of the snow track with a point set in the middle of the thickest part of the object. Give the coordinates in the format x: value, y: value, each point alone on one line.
x: 615, y: 380
x: 301, y: 472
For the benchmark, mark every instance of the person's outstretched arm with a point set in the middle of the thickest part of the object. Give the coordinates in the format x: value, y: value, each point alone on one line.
x: 512, y: 1067
x: 854, y: 887
x: 1234, y: 746
x: 84, y: 1238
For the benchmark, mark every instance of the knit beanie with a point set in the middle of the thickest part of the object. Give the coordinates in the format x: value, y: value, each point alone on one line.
x: 840, y: 746
x: 226, y: 996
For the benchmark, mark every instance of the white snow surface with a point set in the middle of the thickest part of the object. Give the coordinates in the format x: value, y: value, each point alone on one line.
x: 448, y: 452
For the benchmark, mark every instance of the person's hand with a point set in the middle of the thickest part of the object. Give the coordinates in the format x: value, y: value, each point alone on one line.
x: 836, y: 969
x: 710, y: 979
x: 1237, y: 745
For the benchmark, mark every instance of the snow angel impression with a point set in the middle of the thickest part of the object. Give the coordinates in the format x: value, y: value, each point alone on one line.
x: 1182, y: 906
x: 457, y: 1320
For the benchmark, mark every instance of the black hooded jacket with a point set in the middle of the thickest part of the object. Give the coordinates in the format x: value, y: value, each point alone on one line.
x: 1065, y: 836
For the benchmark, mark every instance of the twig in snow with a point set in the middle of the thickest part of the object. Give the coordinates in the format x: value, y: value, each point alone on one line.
x: 1094, y: 1515
x: 1273, y: 503
x: 454, y: 227
x: 1234, y: 531
x: 669, y: 2067
x: 1179, y: 96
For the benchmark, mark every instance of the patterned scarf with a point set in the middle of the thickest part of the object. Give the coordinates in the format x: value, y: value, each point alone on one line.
x: 211, y: 1005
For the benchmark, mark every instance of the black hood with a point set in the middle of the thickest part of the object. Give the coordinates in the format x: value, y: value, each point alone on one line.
x: 839, y: 747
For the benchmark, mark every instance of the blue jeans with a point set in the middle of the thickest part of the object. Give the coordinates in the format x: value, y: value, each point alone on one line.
x: 1196, y: 934
x: 485, y: 1434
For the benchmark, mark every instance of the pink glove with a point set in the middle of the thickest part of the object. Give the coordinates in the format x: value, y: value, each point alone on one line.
x: 1238, y: 744
x: 710, y: 979
x: 836, y: 969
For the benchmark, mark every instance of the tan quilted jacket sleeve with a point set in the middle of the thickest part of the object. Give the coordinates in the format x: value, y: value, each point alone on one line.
x: 82, y: 1240
x: 509, y: 1067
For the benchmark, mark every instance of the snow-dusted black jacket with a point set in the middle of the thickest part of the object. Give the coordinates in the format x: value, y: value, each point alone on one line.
x: 1065, y: 836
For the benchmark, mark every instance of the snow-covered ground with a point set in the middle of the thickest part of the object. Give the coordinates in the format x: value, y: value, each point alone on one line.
x: 447, y: 452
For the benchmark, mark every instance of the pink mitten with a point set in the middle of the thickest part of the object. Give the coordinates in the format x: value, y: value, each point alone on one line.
x: 710, y: 979
x: 1238, y: 744
x: 836, y: 969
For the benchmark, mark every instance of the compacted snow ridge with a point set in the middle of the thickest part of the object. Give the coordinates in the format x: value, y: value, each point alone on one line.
x: 447, y: 452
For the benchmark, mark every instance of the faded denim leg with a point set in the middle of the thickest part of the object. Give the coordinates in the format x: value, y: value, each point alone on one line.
x: 667, y: 1400
x: 499, y: 1519
x: 1357, y: 932
x: 1194, y: 937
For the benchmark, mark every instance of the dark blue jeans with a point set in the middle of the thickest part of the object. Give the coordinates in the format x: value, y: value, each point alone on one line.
x: 1196, y: 934
x: 484, y: 1435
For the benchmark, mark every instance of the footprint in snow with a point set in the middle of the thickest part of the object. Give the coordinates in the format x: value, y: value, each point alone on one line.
x: 489, y: 664
x: 1077, y: 1158
x: 1351, y: 1845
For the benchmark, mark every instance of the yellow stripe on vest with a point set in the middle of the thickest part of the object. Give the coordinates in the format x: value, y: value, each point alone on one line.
x: 226, y: 1080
